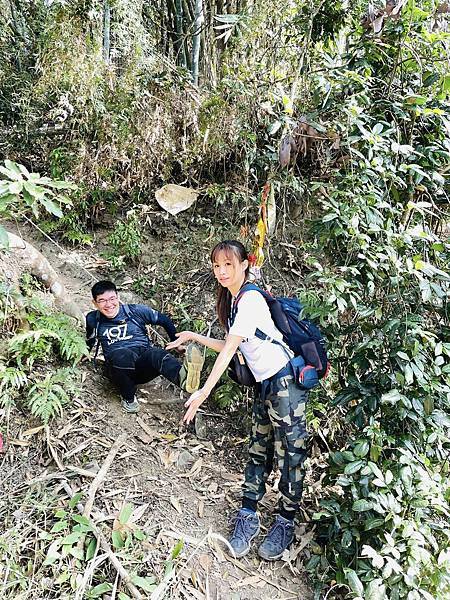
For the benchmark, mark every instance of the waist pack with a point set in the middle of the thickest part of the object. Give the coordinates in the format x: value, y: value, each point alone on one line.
x: 302, y: 336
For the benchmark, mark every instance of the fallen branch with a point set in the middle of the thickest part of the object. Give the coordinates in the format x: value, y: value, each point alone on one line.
x: 98, y: 480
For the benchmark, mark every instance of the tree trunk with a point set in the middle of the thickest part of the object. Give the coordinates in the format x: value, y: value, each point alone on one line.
x: 196, y: 38
x: 106, y: 30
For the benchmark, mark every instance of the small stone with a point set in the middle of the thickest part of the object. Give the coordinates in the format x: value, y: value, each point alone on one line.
x: 185, y: 459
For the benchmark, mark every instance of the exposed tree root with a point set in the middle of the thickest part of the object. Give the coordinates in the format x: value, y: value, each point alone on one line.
x: 39, y: 266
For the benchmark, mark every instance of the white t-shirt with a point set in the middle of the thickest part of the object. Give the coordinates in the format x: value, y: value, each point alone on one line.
x: 263, y: 357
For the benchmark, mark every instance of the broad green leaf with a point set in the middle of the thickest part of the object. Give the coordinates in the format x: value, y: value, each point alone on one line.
x: 416, y: 100
x: 354, y: 582
x: 72, y: 538
x: 446, y: 83
x: 75, y: 499
x: 361, y: 449
x: 76, y: 552
x: 58, y: 526
x: 15, y: 187
x: 376, y: 470
x: 353, y: 467
x: 362, y: 505
x: 35, y: 190
x: 375, y: 590
x: 90, y: 550
x: 60, y: 185
x: 378, y: 128
x: 52, y: 553
x: 373, y: 523
x: 51, y: 207
x: 274, y: 127
x: 81, y: 519
x: 12, y: 166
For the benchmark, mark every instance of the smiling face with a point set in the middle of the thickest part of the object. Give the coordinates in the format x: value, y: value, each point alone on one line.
x: 229, y: 270
x: 108, y: 304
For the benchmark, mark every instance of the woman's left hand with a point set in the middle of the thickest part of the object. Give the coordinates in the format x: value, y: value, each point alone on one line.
x: 193, y: 403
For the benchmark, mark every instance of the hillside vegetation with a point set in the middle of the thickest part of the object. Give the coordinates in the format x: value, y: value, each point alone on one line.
x: 344, y: 111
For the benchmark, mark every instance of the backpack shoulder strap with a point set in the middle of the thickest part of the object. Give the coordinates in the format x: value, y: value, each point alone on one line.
x: 132, y: 316
x: 234, y: 307
x: 96, y: 326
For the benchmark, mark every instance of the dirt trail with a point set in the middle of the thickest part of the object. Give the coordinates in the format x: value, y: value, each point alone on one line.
x: 188, y: 487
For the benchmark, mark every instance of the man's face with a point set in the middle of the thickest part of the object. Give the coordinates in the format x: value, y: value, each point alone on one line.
x: 108, y: 303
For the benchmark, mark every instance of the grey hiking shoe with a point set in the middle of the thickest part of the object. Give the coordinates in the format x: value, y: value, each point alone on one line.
x: 191, y: 369
x: 130, y: 406
x: 246, y: 528
x: 279, y: 537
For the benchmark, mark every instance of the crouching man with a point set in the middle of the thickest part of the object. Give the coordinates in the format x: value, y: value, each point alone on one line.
x: 131, y: 359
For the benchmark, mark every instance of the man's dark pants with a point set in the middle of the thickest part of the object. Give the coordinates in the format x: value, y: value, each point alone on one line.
x: 128, y: 367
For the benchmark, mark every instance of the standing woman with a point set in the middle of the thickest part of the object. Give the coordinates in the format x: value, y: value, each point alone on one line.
x: 278, y: 419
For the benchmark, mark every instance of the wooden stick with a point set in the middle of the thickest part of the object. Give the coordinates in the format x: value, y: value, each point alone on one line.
x: 98, y: 480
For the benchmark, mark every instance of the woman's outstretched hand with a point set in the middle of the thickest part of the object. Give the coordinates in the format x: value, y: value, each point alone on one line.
x: 192, y: 405
x: 182, y: 338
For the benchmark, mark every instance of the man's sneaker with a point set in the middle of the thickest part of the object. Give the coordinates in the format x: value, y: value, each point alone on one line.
x: 191, y: 369
x: 131, y: 406
x: 246, y: 528
x: 278, y: 539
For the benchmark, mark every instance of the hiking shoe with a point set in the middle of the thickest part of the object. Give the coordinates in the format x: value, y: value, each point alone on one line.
x: 131, y: 406
x: 278, y: 539
x: 246, y: 528
x: 191, y: 369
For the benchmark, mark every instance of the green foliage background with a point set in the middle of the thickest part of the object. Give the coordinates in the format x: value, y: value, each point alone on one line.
x: 362, y: 217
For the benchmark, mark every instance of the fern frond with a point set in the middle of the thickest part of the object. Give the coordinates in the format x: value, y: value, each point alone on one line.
x: 47, y: 397
x: 32, y: 345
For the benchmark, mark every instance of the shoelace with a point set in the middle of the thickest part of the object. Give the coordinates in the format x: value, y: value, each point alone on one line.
x: 279, y: 532
x: 241, y: 523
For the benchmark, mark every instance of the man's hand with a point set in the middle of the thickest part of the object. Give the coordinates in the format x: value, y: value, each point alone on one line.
x: 182, y: 338
x: 193, y: 404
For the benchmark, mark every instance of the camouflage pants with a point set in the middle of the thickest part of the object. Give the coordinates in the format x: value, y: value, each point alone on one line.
x: 278, y: 430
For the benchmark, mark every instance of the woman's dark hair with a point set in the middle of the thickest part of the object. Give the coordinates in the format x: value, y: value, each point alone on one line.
x: 101, y: 287
x: 223, y: 303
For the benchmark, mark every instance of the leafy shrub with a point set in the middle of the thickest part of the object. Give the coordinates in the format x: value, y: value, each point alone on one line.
x: 383, y: 289
x: 125, y: 240
x: 22, y: 191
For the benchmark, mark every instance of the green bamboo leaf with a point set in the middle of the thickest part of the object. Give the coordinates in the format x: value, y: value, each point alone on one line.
x: 125, y: 513
x: 117, y: 539
x: 99, y: 590
x: 177, y: 549
x: 148, y: 584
